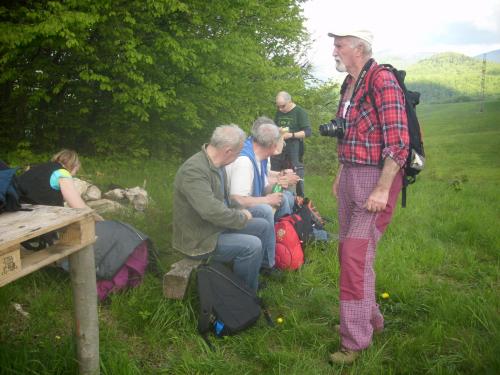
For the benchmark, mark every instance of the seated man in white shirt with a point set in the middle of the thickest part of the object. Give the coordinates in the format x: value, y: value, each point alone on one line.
x: 249, y: 183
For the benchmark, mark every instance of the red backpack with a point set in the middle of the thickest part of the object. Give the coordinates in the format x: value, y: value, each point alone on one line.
x: 289, y: 254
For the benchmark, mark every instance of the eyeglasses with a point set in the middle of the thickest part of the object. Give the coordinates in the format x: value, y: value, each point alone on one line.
x: 281, y: 106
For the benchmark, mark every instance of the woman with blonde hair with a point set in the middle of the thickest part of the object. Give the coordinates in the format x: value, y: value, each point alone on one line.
x: 51, y: 183
x: 120, y: 251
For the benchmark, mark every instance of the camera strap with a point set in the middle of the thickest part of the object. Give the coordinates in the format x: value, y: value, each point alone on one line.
x: 361, y: 77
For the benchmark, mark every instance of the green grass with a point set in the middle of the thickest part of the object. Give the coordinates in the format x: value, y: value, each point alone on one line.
x: 439, y: 261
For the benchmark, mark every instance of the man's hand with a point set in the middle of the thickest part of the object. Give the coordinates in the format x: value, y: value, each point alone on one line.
x: 377, y: 201
x: 283, y: 181
x: 297, y: 135
x: 292, y: 177
x: 247, y: 213
x: 274, y: 199
x: 286, y: 179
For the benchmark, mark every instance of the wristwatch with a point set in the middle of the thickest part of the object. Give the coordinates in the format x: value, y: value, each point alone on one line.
x: 293, y: 135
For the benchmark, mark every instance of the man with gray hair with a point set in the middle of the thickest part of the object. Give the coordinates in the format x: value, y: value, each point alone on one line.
x: 249, y: 180
x: 294, y: 118
x: 205, y: 222
x: 371, y: 151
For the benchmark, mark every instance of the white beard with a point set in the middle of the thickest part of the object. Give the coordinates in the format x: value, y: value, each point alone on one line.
x: 340, y: 66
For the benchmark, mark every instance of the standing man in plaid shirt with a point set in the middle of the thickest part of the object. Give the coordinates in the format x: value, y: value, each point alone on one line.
x: 371, y: 155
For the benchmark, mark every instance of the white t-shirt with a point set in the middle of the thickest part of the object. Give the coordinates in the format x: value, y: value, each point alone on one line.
x: 346, y: 107
x: 240, y: 175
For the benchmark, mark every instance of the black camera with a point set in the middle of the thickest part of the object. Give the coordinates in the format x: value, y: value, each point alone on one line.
x: 335, y: 128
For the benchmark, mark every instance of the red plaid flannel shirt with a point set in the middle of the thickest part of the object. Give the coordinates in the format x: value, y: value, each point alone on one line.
x: 365, y: 140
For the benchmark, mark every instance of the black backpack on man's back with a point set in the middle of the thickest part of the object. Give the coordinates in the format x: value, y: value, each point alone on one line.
x: 416, y: 157
x: 415, y: 161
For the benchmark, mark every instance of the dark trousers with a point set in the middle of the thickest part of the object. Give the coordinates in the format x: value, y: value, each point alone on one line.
x: 291, y: 158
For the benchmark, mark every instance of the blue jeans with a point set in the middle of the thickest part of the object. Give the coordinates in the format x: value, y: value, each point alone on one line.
x: 244, y: 248
x: 287, y: 203
x: 265, y: 211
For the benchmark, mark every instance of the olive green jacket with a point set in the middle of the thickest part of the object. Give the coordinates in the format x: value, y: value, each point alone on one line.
x: 199, y: 212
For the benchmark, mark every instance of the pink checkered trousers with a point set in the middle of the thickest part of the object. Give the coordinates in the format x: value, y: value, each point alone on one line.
x: 359, y: 233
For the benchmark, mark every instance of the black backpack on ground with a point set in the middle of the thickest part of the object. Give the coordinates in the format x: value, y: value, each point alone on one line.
x: 302, y: 224
x: 310, y: 220
x: 416, y: 157
x: 227, y: 305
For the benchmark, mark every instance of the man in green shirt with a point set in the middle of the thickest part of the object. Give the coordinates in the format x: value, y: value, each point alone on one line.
x: 290, y: 115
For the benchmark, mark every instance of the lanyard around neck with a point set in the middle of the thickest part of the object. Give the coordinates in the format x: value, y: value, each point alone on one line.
x: 361, y: 77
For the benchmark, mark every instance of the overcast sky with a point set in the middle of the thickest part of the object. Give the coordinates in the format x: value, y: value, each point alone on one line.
x: 404, y: 27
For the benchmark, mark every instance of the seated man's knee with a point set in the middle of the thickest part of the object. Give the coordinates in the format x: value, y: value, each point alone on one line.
x: 253, y: 246
x: 262, y: 211
x: 262, y: 224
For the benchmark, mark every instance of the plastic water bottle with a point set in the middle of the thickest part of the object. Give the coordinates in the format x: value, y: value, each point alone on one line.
x: 277, y: 188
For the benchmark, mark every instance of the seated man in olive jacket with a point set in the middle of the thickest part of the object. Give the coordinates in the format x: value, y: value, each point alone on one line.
x: 204, y: 222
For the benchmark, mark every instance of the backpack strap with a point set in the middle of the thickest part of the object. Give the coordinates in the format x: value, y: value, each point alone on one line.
x: 403, y: 194
x: 399, y: 76
x: 371, y: 97
x: 266, y: 312
x: 205, y: 306
x: 205, y: 316
x: 343, y: 88
x: 369, y: 85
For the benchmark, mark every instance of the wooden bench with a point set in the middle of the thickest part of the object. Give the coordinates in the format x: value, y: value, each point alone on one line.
x: 176, y: 281
x: 76, y: 230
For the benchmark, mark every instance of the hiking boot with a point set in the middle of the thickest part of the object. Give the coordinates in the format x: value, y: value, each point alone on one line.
x: 344, y: 357
x: 376, y: 331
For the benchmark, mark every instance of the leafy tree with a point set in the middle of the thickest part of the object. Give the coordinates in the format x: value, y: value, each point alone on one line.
x: 142, y: 77
x: 321, y: 152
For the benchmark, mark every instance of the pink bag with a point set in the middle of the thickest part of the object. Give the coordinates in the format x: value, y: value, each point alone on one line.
x: 130, y: 274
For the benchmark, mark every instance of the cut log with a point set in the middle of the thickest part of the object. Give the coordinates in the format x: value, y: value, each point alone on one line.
x: 81, y: 186
x: 140, y: 202
x: 176, y: 281
x: 105, y: 205
x: 93, y: 193
x: 138, y: 197
x: 115, y: 194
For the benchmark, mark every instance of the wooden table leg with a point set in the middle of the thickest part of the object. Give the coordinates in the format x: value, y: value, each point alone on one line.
x: 83, y: 280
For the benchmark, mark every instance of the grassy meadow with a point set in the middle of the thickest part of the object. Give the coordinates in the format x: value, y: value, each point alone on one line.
x: 438, y: 261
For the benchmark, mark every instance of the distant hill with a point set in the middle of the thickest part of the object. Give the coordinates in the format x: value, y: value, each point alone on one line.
x: 449, y: 77
x: 401, y: 60
x: 493, y: 56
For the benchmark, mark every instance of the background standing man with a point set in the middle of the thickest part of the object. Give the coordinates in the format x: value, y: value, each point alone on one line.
x: 295, y: 118
x: 369, y: 179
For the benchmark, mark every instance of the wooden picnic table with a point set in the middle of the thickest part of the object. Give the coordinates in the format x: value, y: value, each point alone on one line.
x: 76, y: 229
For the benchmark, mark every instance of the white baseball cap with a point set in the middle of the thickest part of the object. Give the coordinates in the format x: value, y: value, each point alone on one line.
x: 361, y: 34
